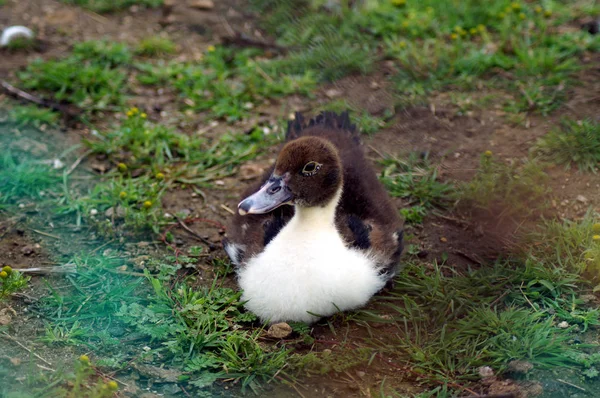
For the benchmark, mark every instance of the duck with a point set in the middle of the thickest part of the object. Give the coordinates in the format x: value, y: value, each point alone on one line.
x: 318, y: 233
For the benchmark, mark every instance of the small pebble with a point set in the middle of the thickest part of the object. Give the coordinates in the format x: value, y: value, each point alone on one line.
x: 485, y: 371
x: 563, y: 325
x: 202, y: 4
x: 582, y: 199
x: 279, y: 330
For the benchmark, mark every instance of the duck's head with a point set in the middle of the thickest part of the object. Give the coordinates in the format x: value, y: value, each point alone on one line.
x: 308, y: 173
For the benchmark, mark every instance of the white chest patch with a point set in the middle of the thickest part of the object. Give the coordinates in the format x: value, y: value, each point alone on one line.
x: 307, y: 272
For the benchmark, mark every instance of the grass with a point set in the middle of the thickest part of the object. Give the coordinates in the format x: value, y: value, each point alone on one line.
x: 230, y: 83
x: 442, y: 322
x: 507, y: 190
x: 329, y: 45
x: 31, y: 115
x: 107, y: 6
x: 448, y: 323
x: 21, y: 44
x: 200, y: 329
x: 226, y: 83
x: 570, y: 245
x: 511, y: 46
x: 156, y: 46
x: 90, y: 86
x: 24, y: 180
x: 416, y: 181
x: 575, y: 142
x: 149, y: 159
x: 91, y: 77
x: 82, y: 381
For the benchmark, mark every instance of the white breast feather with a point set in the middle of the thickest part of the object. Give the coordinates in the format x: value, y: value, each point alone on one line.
x: 305, y: 270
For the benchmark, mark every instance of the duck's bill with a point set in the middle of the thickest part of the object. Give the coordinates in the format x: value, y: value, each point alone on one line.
x: 269, y: 197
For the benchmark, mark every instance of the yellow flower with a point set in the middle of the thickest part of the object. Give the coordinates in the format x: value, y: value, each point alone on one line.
x: 522, y: 16
x: 147, y: 204
x: 160, y: 176
x: 84, y: 359
x: 3, y: 275
x: 501, y: 15
x: 405, y: 24
x: 123, y: 195
x: 515, y: 6
x: 547, y: 13
x: 211, y: 49
x: 454, y: 36
x: 122, y: 167
x: 399, y: 3
x: 129, y: 114
x: 595, y: 228
x: 112, y: 385
x: 7, y: 269
x: 473, y: 31
x: 481, y: 28
x: 538, y: 9
x: 143, y: 116
x: 488, y: 153
x: 596, y: 237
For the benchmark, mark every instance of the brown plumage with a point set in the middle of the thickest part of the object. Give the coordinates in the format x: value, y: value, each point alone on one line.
x: 328, y: 150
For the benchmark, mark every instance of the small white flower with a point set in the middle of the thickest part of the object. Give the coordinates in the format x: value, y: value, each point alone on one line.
x: 93, y: 212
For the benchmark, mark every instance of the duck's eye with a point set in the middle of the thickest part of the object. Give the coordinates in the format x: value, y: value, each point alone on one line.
x: 310, y: 169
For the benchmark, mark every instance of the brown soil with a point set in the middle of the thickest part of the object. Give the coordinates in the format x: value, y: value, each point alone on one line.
x: 457, y: 141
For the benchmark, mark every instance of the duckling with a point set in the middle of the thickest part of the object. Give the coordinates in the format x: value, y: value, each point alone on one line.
x: 318, y: 234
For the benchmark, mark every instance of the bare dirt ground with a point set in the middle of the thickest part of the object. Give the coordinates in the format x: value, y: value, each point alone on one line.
x: 456, y: 140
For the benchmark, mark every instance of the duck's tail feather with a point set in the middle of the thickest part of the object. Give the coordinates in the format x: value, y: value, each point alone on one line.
x: 328, y: 119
